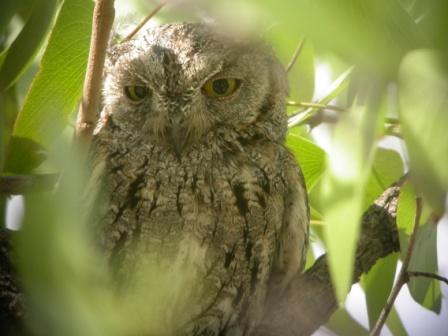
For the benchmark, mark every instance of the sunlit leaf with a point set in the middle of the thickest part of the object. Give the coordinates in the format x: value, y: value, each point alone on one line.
x: 377, y: 285
x: 24, y: 48
x: 335, y: 89
x: 375, y: 34
x: 343, y: 187
x: 310, y: 157
x: 423, y: 97
x: 57, y: 87
x: 406, y: 211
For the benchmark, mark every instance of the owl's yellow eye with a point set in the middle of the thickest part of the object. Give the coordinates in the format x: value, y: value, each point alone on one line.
x: 221, y: 87
x: 136, y: 93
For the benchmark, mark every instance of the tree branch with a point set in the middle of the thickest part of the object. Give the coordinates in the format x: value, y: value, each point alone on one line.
x: 310, y: 301
x: 103, y: 18
x: 21, y: 184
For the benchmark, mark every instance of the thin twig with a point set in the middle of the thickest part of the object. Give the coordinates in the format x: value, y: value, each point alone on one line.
x: 103, y: 18
x: 392, y: 121
x: 296, y: 55
x: 316, y: 105
x: 21, y: 184
x: 144, y: 21
x: 403, y: 276
x: 428, y: 275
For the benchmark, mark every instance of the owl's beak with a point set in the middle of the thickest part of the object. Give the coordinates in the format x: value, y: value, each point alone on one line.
x: 177, y: 137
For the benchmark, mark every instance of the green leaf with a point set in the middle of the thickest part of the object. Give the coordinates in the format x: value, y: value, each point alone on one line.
x: 387, y: 168
x: 343, y: 324
x: 343, y: 185
x: 22, y: 51
x: 424, y: 259
x: 57, y: 87
x: 423, y: 98
x: 377, y: 285
x: 310, y: 157
x: 395, y: 325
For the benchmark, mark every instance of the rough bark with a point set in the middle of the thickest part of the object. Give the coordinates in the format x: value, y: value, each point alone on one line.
x: 305, y: 306
x: 11, y: 299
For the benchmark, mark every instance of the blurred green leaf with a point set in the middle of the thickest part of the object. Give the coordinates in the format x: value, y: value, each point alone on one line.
x: 374, y: 34
x: 64, y: 278
x: 387, y: 168
x: 377, y: 285
x: 58, y: 85
x: 9, y: 8
x: 9, y: 109
x: 423, y: 97
x: 343, y: 324
x: 431, y: 17
x: 343, y: 185
x: 310, y: 157
x: 22, y: 51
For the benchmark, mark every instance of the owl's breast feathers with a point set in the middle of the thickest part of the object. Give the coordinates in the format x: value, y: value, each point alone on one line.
x: 237, y: 212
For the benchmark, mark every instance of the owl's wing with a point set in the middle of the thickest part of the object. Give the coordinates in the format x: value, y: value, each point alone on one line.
x: 294, y: 232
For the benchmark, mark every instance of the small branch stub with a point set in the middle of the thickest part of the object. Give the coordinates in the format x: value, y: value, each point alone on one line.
x: 103, y: 18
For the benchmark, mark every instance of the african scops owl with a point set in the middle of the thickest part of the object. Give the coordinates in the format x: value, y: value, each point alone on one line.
x: 190, y: 141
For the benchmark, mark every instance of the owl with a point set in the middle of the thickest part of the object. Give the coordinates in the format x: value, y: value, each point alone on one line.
x: 196, y: 176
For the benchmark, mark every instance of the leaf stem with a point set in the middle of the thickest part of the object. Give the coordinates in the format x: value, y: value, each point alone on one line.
x: 316, y: 105
x: 428, y: 275
x: 403, y: 277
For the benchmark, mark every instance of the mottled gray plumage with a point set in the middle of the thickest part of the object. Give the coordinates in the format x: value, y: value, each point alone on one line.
x: 202, y: 180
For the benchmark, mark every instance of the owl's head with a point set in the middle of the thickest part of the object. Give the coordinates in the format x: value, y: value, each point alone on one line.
x: 178, y: 83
